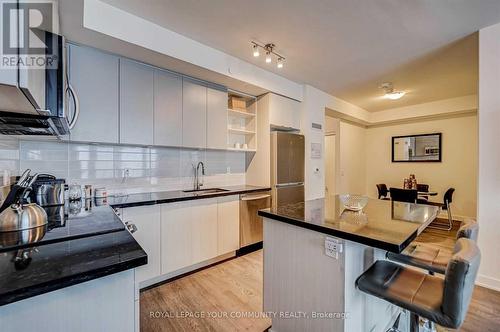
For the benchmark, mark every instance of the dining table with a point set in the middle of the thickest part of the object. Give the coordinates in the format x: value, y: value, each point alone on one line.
x: 427, y: 193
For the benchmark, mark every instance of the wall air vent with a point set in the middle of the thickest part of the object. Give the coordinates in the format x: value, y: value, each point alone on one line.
x: 317, y: 126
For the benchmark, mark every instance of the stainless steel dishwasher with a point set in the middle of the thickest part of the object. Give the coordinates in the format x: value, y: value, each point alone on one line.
x: 250, y: 221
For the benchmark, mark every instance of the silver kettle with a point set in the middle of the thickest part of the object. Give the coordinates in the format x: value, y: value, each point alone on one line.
x: 19, y: 216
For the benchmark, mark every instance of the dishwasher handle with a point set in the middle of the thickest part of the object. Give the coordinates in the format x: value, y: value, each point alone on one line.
x: 254, y: 197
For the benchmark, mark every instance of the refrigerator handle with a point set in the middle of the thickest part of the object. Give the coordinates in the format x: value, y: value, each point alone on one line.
x: 291, y: 184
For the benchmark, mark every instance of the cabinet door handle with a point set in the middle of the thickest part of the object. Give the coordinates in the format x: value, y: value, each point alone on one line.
x: 132, y: 228
x: 76, y: 103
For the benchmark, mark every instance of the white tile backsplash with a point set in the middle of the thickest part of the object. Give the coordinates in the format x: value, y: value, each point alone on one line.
x: 149, y: 169
x: 9, y: 155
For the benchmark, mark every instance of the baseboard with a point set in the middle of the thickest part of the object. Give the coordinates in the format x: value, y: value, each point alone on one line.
x: 488, y: 282
x: 248, y: 249
x: 444, y: 215
x: 165, y: 278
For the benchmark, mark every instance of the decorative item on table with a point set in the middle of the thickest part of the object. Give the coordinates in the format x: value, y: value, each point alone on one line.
x: 353, y: 202
x: 354, y: 217
x: 245, y: 146
x: 237, y: 145
x: 410, y: 182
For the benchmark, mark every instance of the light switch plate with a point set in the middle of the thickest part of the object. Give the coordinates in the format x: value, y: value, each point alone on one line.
x: 333, y: 247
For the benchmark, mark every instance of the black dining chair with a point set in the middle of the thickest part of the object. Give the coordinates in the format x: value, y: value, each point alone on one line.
x: 422, y: 199
x: 382, y: 191
x: 404, y: 195
x: 446, y: 205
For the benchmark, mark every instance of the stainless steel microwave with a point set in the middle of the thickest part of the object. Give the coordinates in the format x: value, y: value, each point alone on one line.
x: 33, y: 100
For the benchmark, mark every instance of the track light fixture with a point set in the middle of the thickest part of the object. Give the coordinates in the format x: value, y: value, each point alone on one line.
x: 269, y: 48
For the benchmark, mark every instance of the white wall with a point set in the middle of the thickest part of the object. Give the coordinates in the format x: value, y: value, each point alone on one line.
x: 458, y: 168
x: 445, y: 107
x: 489, y: 156
x: 352, y: 157
x: 313, y: 110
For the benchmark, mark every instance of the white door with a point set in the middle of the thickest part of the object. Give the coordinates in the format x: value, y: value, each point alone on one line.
x: 330, y: 170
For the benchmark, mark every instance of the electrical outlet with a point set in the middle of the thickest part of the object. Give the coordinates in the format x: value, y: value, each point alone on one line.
x: 333, y: 247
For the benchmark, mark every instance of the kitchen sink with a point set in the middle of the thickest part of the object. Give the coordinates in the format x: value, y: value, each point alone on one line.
x: 205, y: 191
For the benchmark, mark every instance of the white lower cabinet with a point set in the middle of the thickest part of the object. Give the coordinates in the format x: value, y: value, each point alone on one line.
x: 204, y: 229
x: 176, y: 236
x: 188, y: 234
x: 147, y: 221
x: 182, y: 234
x: 228, y: 224
x: 198, y: 230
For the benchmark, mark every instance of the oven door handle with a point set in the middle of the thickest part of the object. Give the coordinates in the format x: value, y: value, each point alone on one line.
x: 254, y: 198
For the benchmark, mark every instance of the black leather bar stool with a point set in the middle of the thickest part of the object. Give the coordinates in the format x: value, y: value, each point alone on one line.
x: 433, y: 259
x: 442, y: 301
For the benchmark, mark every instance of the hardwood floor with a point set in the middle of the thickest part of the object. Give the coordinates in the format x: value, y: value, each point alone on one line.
x: 235, y: 287
x: 484, y: 309
x: 231, y: 288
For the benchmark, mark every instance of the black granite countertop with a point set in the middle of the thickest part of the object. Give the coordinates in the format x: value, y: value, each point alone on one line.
x: 382, y: 224
x: 177, y: 196
x: 73, y: 220
x: 81, y: 242
x: 53, y: 266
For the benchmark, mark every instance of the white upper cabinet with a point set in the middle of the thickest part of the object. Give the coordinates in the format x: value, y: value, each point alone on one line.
x: 136, y: 103
x: 283, y: 112
x: 194, y: 115
x: 167, y: 109
x: 94, y: 78
x: 124, y: 101
x: 216, y: 119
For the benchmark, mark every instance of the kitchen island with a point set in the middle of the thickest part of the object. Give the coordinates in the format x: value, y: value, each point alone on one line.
x: 315, y: 250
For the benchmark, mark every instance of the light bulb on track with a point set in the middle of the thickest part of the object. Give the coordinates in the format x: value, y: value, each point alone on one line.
x: 280, y: 63
x: 268, y: 57
x: 256, y: 52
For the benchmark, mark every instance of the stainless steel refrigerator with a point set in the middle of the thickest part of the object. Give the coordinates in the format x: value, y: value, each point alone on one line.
x: 287, y: 168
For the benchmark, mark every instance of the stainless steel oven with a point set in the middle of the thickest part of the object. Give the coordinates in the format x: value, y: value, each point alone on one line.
x: 250, y: 221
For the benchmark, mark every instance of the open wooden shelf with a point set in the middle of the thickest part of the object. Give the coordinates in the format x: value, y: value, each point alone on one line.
x: 241, y: 150
x: 241, y: 131
x: 240, y: 113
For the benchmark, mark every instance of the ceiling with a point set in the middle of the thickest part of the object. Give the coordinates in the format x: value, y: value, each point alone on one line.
x: 71, y: 21
x: 346, y: 48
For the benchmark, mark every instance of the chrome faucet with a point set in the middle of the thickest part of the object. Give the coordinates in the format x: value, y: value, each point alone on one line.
x: 197, y: 182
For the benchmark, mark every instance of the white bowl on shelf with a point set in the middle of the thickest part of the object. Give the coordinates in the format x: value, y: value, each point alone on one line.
x: 353, y: 202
